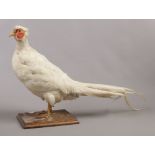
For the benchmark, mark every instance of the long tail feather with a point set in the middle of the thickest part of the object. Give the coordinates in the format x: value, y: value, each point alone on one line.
x: 130, y: 105
x: 108, y: 88
x: 107, y: 91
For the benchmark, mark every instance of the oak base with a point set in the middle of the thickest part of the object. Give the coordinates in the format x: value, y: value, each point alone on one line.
x: 40, y: 119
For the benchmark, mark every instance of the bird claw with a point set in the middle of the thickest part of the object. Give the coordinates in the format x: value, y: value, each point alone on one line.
x: 49, y: 117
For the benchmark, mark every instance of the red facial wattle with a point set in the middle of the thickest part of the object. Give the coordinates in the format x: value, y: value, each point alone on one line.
x: 19, y: 35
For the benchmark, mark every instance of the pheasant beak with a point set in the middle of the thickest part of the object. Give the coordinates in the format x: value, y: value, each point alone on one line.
x: 12, y: 34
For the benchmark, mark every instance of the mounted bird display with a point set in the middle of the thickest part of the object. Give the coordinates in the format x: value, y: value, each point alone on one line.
x: 50, y: 83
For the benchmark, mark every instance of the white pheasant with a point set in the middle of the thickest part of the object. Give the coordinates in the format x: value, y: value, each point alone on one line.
x: 49, y: 82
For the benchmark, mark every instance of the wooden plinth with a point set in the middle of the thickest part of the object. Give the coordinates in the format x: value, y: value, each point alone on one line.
x: 40, y: 119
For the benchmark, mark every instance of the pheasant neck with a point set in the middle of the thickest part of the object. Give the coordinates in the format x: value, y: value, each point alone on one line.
x: 22, y: 44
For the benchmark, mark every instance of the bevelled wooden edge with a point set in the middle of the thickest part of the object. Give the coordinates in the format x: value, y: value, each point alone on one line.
x: 39, y: 119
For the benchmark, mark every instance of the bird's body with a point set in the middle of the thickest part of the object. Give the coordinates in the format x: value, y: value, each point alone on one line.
x: 38, y: 74
x: 49, y: 82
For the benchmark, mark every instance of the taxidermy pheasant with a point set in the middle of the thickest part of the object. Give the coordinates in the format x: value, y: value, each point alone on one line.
x: 49, y: 82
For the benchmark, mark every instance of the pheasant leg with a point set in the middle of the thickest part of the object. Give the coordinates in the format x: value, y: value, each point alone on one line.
x: 49, y: 111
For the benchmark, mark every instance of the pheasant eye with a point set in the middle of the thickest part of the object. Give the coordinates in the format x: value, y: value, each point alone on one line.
x: 17, y: 30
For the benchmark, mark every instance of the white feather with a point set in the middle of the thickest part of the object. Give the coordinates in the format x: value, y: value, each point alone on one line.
x: 49, y: 82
